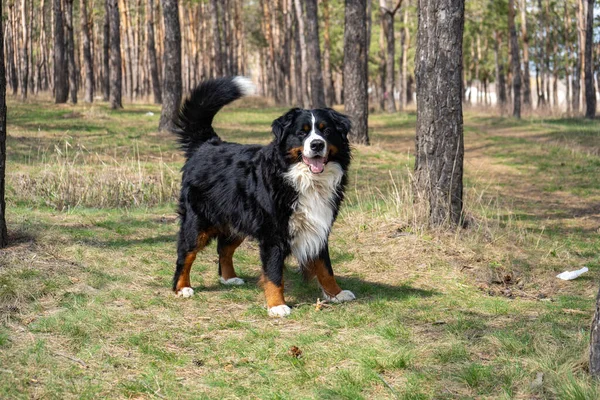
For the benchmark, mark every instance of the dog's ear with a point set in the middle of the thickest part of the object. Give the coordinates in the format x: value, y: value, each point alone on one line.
x: 281, y: 124
x: 341, y: 121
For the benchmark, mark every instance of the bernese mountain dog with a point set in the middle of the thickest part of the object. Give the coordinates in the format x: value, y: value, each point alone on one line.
x: 286, y: 195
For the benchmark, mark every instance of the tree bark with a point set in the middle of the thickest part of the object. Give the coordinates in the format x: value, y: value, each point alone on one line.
x: 387, y: 24
x: 300, y: 18
x: 214, y: 18
x: 327, y: 75
x: 87, y: 54
x: 10, y: 56
x: 71, y: 50
x: 439, y: 141
x: 516, y: 64
x: 314, y: 54
x: 500, y: 78
x: 106, y: 52
x: 24, y: 51
x: 116, y: 73
x: 356, y: 101
x: 156, y: 89
x: 172, y: 85
x: 526, y: 77
x: 590, y: 90
x: 3, y: 232
x: 404, y: 43
x: 61, y: 85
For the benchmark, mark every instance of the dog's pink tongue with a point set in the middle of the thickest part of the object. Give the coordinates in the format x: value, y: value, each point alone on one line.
x: 316, y: 164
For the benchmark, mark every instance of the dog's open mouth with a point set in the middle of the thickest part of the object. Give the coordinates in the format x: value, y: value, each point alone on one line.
x: 316, y: 164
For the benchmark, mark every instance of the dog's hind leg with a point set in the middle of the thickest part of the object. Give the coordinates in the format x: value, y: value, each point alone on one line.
x: 192, y: 238
x: 226, y: 246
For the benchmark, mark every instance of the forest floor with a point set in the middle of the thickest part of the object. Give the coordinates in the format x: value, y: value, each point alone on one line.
x: 86, y: 309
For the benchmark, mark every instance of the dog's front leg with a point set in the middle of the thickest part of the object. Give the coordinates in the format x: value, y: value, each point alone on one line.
x: 321, y: 268
x: 272, y: 257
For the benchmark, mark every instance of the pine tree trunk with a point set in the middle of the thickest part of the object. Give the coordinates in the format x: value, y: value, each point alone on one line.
x: 172, y: 86
x: 356, y: 101
x: 387, y: 24
x: 439, y: 141
x: 300, y: 31
x: 24, y: 51
x: 10, y: 57
x: 590, y: 89
x: 3, y: 232
x: 71, y: 50
x: 116, y: 73
x: 405, y: 41
x: 61, y: 85
x: 298, y: 76
x: 595, y: 341
x: 500, y: 78
x: 214, y: 18
x: 567, y: 57
x: 314, y: 54
x: 106, y: 52
x: 516, y: 64
x: 327, y: 75
x: 87, y: 53
x: 156, y: 89
x: 526, y: 77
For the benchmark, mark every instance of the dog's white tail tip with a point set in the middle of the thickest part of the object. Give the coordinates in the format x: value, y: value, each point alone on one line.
x: 245, y: 85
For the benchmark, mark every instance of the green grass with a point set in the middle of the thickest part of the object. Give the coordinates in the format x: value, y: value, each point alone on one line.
x: 85, y: 302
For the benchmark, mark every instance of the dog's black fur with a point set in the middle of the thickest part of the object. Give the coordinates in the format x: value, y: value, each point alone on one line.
x: 231, y: 191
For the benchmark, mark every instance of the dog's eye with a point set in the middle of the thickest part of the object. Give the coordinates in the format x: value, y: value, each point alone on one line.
x: 322, y: 126
x: 306, y: 128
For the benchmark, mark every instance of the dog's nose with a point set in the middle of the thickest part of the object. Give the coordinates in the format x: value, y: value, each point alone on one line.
x: 317, y: 145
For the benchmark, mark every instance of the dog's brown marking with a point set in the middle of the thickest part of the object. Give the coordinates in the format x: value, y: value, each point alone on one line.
x: 333, y: 150
x: 202, y: 241
x: 295, y: 153
x: 226, y: 259
x: 326, y: 280
x: 273, y: 293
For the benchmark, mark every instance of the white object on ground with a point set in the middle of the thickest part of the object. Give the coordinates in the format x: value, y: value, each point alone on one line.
x: 569, y: 275
x: 149, y: 114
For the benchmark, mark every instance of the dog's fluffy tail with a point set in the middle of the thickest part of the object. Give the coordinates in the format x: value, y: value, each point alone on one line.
x: 193, y: 124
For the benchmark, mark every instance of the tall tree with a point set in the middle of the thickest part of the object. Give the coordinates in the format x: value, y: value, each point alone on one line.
x: 73, y: 74
x: 172, y: 84
x: 314, y: 54
x: 3, y: 232
x: 116, y: 74
x: 152, y: 52
x: 327, y: 75
x: 61, y: 85
x: 356, y: 101
x: 526, y: 78
x: 516, y: 64
x: 87, y: 53
x: 301, y: 35
x: 590, y: 90
x: 106, y: 52
x: 216, y: 47
x: 387, y: 24
x: 24, y: 50
x: 439, y: 141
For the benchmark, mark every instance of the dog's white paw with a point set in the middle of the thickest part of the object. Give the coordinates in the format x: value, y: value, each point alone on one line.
x: 231, y: 281
x: 186, y: 292
x: 344, y: 295
x: 279, y: 311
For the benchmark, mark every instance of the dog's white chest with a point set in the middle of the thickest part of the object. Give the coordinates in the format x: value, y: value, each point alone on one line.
x: 313, y: 212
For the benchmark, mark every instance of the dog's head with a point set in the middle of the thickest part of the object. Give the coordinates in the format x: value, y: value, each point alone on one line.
x: 313, y: 137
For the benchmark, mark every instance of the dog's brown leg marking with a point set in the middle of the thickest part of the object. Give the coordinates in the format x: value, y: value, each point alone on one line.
x: 184, y: 278
x: 226, y: 259
x: 273, y: 293
x: 326, y: 280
